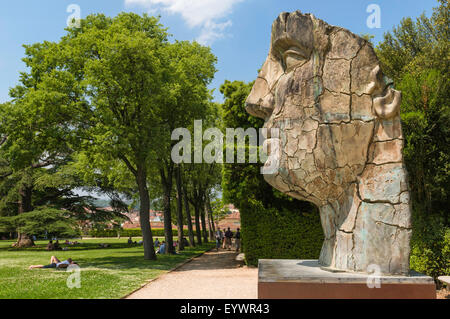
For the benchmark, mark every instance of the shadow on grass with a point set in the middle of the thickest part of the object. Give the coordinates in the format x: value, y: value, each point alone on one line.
x: 163, y: 262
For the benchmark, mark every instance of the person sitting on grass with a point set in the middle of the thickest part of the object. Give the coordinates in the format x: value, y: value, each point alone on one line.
x: 50, y: 245
x: 56, y: 246
x: 162, y: 248
x: 56, y: 263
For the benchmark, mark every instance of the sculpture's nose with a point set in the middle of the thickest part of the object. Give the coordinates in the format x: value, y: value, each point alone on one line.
x: 260, y: 102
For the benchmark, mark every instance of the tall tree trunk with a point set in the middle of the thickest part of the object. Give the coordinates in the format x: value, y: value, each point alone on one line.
x: 179, y: 208
x: 25, y: 206
x: 210, y: 223
x: 167, y: 189
x: 210, y: 213
x: 204, y: 230
x: 188, y: 216
x: 197, y: 223
x: 144, y: 211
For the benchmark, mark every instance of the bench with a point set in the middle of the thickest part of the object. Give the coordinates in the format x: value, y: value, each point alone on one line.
x: 445, y: 280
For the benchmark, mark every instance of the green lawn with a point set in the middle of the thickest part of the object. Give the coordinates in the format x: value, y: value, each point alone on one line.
x: 105, y: 273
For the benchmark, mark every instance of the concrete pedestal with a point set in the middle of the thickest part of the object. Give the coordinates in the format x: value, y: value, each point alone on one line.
x: 304, y: 279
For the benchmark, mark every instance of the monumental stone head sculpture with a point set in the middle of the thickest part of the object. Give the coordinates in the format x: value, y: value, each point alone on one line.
x: 340, y: 141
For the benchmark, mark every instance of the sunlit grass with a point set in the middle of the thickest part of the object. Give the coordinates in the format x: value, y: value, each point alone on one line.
x: 105, y: 272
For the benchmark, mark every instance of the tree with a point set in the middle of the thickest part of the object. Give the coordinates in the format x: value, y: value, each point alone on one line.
x: 414, y: 46
x: 218, y: 210
x: 43, y: 221
x: 119, y: 63
x: 138, y: 87
x: 36, y: 128
x: 187, y: 209
x: 191, y: 68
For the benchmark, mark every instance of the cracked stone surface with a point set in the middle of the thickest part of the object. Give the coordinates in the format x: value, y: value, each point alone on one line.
x: 341, y: 141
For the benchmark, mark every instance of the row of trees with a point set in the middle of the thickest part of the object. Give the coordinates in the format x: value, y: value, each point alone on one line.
x: 95, y: 111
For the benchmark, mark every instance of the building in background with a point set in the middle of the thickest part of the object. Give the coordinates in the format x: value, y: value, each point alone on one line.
x: 156, y: 220
x: 232, y: 218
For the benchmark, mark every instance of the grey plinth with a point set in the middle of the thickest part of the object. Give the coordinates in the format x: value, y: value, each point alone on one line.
x: 305, y: 279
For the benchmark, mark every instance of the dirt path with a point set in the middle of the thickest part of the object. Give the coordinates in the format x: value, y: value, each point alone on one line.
x: 214, y: 275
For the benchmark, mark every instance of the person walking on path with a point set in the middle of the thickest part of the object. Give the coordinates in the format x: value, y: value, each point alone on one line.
x: 237, y: 239
x: 223, y: 238
x: 228, y: 236
x: 219, y: 237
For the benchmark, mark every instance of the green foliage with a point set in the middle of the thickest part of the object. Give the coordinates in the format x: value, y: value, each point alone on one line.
x: 417, y: 45
x: 274, y: 225
x: 40, y: 222
x: 430, y: 249
x: 415, y: 55
x: 269, y: 233
x: 426, y: 118
x: 131, y: 232
x: 367, y: 36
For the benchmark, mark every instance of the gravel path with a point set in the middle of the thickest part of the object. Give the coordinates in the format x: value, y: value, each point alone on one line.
x: 214, y: 275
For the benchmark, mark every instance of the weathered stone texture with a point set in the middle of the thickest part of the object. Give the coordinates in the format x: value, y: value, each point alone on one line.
x: 386, y: 152
x: 362, y: 108
x: 383, y: 183
x: 335, y: 107
x: 344, y: 45
x: 336, y: 76
x: 340, y: 144
x: 376, y: 240
x: 362, y: 65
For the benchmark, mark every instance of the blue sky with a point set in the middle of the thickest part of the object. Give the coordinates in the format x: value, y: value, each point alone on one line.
x: 237, y: 30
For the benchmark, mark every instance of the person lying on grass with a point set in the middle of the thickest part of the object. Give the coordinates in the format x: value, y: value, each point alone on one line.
x: 56, y: 263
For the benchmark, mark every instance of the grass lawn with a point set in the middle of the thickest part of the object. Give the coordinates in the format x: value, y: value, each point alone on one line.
x: 105, y: 273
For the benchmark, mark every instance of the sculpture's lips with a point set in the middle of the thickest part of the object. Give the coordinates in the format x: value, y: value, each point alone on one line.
x: 258, y: 110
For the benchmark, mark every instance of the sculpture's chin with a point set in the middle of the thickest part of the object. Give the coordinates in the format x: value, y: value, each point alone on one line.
x: 271, y: 180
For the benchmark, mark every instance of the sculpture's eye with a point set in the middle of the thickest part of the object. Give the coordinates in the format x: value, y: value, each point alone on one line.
x: 293, y: 57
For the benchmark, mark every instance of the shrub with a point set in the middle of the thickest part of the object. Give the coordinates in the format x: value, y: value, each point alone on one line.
x: 279, y: 234
x: 430, y: 248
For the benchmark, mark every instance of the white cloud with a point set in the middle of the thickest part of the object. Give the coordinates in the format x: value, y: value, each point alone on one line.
x: 209, y: 15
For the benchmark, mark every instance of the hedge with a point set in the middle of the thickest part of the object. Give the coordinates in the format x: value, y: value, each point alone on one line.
x: 131, y: 232
x: 279, y: 234
x: 430, y: 246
